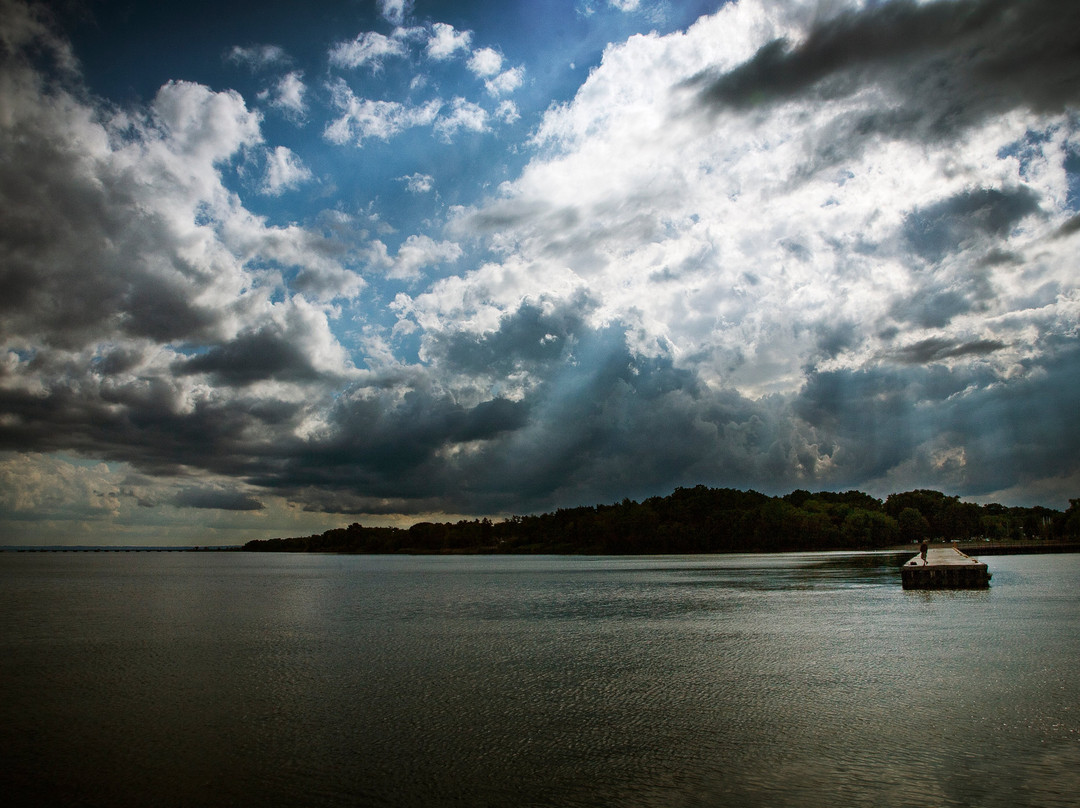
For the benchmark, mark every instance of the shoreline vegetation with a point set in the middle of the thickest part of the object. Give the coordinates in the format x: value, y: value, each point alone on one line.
x: 720, y: 520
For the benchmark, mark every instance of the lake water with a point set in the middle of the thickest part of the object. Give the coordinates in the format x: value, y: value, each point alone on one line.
x: 183, y: 679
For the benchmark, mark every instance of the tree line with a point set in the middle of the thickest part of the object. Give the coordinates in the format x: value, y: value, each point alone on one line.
x: 709, y: 520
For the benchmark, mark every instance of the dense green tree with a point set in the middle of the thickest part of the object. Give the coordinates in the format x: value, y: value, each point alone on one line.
x: 706, y: 520
x: 1071, y: 520
x: 863, y: 528
x: 913, y: 525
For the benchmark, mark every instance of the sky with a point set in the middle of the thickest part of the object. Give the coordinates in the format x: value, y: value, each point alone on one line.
x: 271, y: 268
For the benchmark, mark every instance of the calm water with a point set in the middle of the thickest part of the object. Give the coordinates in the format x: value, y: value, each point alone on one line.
x: 793, y: 680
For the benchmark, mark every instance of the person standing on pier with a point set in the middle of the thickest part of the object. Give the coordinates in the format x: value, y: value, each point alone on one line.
x: 922, y: 552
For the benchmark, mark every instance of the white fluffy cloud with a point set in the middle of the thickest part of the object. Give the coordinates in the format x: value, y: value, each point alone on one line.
x: 589, y: 7
x: 395, y: 10
x: 485, y: 62
x: 199, y: 305
x: 731, y: 238
x: 462, y: 115
x: 445, y: 41
x: 284, y: 171
x: 289, y: 93
x: 505, y: 82
x: 369, y: 47
x: 418, y: 183
x: 507, y: 111
x: 362, y: 118
x: 788, y: 246
x: 420, y: 251
x: 51, y: 487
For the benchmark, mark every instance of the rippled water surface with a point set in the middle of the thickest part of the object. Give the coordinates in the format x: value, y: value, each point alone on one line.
x: 788, y: 680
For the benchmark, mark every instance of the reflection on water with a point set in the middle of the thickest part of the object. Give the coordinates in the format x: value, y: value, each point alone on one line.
x: 789, y: 680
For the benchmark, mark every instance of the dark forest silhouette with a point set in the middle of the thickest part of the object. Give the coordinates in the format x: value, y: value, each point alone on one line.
x: 710, y: 520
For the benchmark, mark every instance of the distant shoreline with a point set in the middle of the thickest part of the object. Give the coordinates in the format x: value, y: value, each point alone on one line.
x: 104, y: 548
x: 969, y: 548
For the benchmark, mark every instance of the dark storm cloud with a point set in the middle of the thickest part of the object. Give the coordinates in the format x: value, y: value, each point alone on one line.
x: 490, y: 418
x: 1070, y: 227
x: 54, y: 223
x: 938, y: 298
x: 256, y: 356
x: 402, y: 450
x: 970, y: 222
x: 118, y: 361
x: 834, y: 338
x: 145, y: 422
x: 1022, y: 431
x: 214, y: 499
x: 998, y: 257
x: 935, y: 349
x: 603, y: 421
x: 60, y: 225
x: 121, y: 248
x: 889, y: 421
x: 599, y: 424
x: 527, y: 338
x: 948, y: 226
x: 606, y: 421
x: 949, y: 64
x: 931, y: 307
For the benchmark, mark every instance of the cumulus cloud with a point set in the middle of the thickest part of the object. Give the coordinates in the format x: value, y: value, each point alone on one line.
x: 781, y: 248
x: 445, y: 41
x: 463, y: 114
x: 507, y: 111
x: 288, y: 95
x: 284, y: 171
x: 131, y: 204
x: 125, y: 258
x: 948, y: 64
x: 395, y: 10
x: 418, y: 183
x: 505, y: 82
x: 362, y: 118
x: 804, y: 226
x: 419, y: 251
x: 369, y: 48
x: 485, y: 62
x: 832, y: 245
x: 39, y: 487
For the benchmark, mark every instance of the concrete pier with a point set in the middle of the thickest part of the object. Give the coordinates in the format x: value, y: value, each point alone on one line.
x: 944, y: 568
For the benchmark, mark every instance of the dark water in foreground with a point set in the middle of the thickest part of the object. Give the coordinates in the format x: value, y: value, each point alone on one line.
x: 793, y: 680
